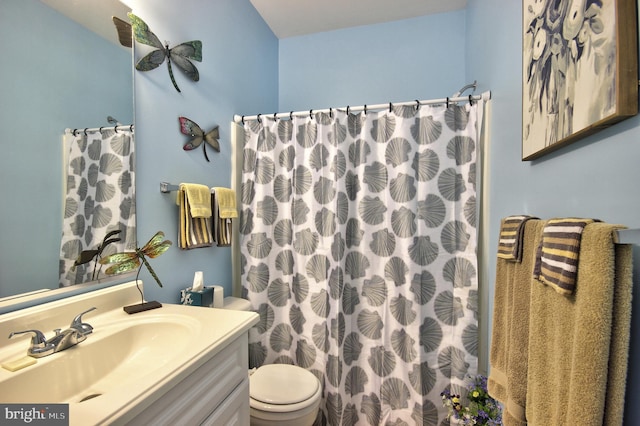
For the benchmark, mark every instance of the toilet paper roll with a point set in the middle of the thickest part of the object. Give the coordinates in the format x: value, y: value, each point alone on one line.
x: 218, y: 296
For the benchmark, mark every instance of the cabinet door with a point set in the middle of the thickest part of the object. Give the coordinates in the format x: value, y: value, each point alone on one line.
x: 192, y: 400
x: 234, y: 411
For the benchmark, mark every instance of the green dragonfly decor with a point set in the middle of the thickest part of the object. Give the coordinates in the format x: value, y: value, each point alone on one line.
x: 128, y: 261
x: 180, y: 55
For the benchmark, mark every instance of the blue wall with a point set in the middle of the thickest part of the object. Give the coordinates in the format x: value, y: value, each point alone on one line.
x: 595, y: 177
x: 54, y: 74
x: 238, y: 75
x: 391, y: 62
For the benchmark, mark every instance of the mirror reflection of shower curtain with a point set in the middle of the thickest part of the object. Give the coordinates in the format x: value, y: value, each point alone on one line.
x: 358, y: 250
x: 100, y: 197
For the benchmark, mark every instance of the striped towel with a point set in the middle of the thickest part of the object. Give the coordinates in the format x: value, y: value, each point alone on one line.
x: 511, y: 237
x: 223, y: 202
x: 194, y: 229
x: 557, y: 255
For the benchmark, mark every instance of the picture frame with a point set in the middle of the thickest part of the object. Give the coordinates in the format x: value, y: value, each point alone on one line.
x: 579, y: 70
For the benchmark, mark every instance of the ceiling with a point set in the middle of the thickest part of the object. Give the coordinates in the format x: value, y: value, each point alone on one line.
x: 286, y: 18
x: 93, y: 14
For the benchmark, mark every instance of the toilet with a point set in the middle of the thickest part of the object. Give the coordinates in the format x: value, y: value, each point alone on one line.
x: 280, y: 394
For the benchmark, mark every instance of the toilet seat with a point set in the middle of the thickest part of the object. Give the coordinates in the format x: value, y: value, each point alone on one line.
x: 283, y: 388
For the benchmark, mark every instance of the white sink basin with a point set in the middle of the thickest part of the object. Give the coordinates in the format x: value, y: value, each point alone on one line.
x: 127, y: 363
x: 113, y: 355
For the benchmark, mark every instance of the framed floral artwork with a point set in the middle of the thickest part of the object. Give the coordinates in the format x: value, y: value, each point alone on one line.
x: 579, y: 70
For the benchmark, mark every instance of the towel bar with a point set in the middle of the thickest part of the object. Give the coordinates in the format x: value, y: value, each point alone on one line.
x: 167, y: 187
x: 627, y: 236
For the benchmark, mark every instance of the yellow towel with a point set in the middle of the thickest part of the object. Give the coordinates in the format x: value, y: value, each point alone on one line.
x: 193, y: 232
x: 558, y: 253
x: 226, y: 199
x: 510, y: 331
x: 510, y: 241
x: 199, y: 199
x: 578, y: 344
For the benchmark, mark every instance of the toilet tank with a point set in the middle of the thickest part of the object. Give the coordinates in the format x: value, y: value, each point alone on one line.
x: 236, y: 304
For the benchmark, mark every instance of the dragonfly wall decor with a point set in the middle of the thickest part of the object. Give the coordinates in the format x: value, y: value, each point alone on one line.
x: 180, y: 55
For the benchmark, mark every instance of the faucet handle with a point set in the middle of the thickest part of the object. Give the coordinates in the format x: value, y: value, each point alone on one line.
x: 82, y: 327
x: 39, y: 346
x: 37, y: 340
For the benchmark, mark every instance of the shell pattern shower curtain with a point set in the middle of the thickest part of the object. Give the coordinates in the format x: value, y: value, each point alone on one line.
x: 358, y: 250
x: 100, y: 198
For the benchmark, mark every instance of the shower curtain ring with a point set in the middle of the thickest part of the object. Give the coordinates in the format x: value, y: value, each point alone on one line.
x: 348, y: 109
x: 390, y: 107
x: 100, y: 130
x: 259, y: 120
x: 275, y: 116
x: 131, y: 128
x: 417, y: 104
x: 311, y: 113
x: 74, y: 132
x: 470, y: 100
x: 365, y: 109
x: 291, y: 115
x: 115, y: 128
x: 447, y: 102
x: 330, y: 112
x: 85, y: 131
x: 243, y: 120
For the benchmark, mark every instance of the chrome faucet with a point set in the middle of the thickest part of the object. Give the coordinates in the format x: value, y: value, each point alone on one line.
x: 63, y: 339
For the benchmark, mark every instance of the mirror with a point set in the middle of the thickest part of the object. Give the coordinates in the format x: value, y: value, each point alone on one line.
x: 55, y: 74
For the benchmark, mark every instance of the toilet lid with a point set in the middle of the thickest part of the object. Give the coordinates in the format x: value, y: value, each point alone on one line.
x: 282, y: 384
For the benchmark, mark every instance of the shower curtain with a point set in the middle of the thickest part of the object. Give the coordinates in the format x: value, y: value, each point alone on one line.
x: 100, y: 197
x: 358, y: 251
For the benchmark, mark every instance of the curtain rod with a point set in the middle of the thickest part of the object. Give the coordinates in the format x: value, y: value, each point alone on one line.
x: 74, y: 132
x: 484, y: 97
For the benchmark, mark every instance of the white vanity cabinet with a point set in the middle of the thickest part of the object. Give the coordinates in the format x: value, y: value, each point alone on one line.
x: 177, y: 365
x: 217, y: 393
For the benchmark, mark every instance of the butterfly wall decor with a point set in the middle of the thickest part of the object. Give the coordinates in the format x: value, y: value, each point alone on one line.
x: 191, y: 128
x: 180, y: 55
